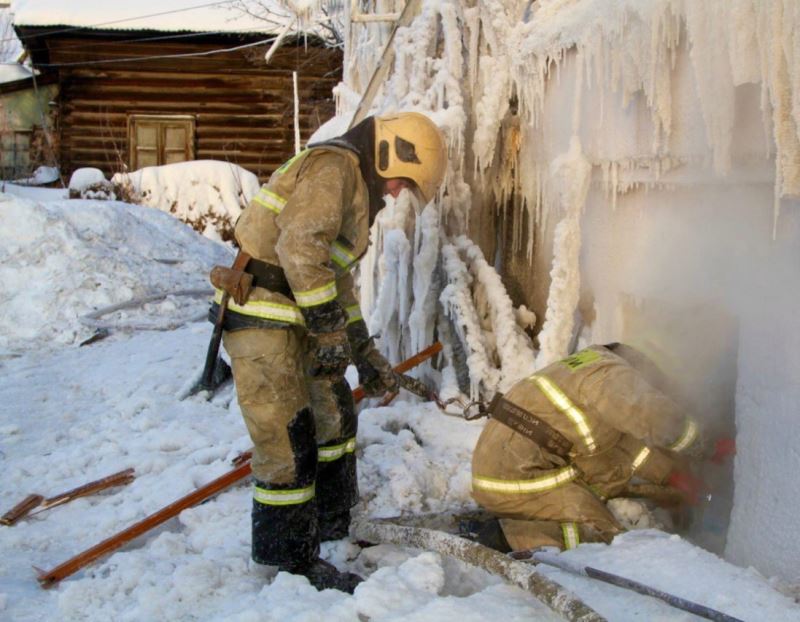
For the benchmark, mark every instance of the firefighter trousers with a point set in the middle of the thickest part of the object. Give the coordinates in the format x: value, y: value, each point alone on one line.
x: 562, y: 517
x: 303, y: 431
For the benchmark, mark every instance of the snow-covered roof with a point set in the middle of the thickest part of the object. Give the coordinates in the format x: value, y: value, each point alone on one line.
x: 10, y: 46
x: 159, y: 15
x: 11, y: 72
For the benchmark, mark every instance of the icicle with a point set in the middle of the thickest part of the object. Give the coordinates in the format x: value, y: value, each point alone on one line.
x: 514, y: 349
x: 571, y: 173
x: 421, y: 319
x: 457, y: 302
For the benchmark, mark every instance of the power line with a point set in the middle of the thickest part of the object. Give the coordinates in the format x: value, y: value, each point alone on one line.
x: 184, y: 35
x: 157, y: 57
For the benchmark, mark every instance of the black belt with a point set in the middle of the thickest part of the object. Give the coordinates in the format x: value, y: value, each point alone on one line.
x: 269, y: 277
x: 529, y: 425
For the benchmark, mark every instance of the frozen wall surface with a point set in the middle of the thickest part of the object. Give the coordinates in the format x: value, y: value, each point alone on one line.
x: 632, y: 169
x: 689, y: 230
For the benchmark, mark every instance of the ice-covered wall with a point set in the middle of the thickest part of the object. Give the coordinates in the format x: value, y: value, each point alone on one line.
x: 688, y: 235
x: 646, y: 154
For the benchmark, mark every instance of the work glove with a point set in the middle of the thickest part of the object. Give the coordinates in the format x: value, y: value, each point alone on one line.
x: 329, y: 346
x: 375, y: 373
x: 691, y: 488
x: 724, y: 448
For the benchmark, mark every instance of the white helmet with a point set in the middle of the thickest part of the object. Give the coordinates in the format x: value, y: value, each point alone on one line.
x: 410, y: 145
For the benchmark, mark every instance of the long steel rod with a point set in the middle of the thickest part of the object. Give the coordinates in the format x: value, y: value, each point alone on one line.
x: 629, y: 584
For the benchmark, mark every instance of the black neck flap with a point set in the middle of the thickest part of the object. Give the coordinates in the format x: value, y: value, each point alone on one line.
x: 361, y: 141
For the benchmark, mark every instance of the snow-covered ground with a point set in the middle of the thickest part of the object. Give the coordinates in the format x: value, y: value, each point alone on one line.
x: 70, y: 414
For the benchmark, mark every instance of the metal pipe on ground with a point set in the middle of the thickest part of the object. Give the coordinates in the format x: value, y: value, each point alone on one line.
x: 629, y: 584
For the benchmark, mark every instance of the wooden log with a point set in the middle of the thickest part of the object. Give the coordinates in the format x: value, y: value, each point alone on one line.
x: 558, y: 598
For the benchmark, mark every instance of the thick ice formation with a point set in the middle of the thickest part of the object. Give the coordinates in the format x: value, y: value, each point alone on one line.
x: 482, y: 73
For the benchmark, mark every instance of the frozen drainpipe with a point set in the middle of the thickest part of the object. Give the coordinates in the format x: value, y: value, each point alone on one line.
x: 357, y: 16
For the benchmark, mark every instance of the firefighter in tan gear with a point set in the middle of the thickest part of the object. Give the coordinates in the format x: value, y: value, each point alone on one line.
x: 292, y: 336
x: 562, y: 442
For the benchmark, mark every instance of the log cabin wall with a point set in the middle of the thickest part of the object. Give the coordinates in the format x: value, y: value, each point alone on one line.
x: 242, y: 108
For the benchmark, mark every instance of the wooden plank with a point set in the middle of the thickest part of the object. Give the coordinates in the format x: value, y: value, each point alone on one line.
x: 118, y: 81
x: 382, y: 68
x: 94, y: 117
x: 190, y: 102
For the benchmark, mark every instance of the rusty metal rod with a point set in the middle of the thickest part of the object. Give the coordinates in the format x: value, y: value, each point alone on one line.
x: 40, y: 503
x: 21, y: 509
x: 120, y: 478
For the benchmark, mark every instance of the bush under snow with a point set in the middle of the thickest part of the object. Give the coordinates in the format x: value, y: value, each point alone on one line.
x: 205, y: 194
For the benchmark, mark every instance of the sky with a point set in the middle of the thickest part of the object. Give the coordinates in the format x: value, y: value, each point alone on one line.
x: 175, y: 15
x: 71, y: 414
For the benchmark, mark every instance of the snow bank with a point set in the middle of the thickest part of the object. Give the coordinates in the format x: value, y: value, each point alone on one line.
x: 133, y: 252
x: 41, y: 176
x: 206, y: 194
x: 69, y: 415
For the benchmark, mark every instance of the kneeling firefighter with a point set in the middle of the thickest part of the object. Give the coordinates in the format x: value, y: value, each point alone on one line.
x: 563, y: 441
x: 293, y: 324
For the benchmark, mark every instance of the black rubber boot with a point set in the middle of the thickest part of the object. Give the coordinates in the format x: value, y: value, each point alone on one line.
x: 337, y: 480
x: 486, y: 532
x: 325, y: 576
x: 334, y: 526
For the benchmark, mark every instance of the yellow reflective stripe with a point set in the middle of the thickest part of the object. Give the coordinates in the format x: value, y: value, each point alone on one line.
x: 291, y: 160
x: 353, y: 314
x: 540, y: 484
x: 687, y: 438
x: 318, y: 296
x: 270, y: 200
x: 596, y: 491
x: 265, y: 310
x: 572, y: 536
x: 563, y: 403
x: 283, y: 497
x: 334, y: 452
x: 341, y: 256
x: 641, y: 457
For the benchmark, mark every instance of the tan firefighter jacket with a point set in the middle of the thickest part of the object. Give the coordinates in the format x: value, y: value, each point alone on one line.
x: 618, y: 424
x: 312, y: 220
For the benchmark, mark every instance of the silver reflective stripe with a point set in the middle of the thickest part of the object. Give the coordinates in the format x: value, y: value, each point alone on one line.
x: 540, y: 484
x: 563, y: 403
x: 572, y: 537
x: 265, y: 309
x: 318, y: 296
x: 283, y: 497
x: 270, y: 200
x: 341, y: 256
x: 640, y: 458
x: 687, y: 438
x: 354, y: 314
x: 334, y: 452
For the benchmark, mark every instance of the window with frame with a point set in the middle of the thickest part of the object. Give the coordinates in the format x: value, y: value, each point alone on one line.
x: 160, y: 139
